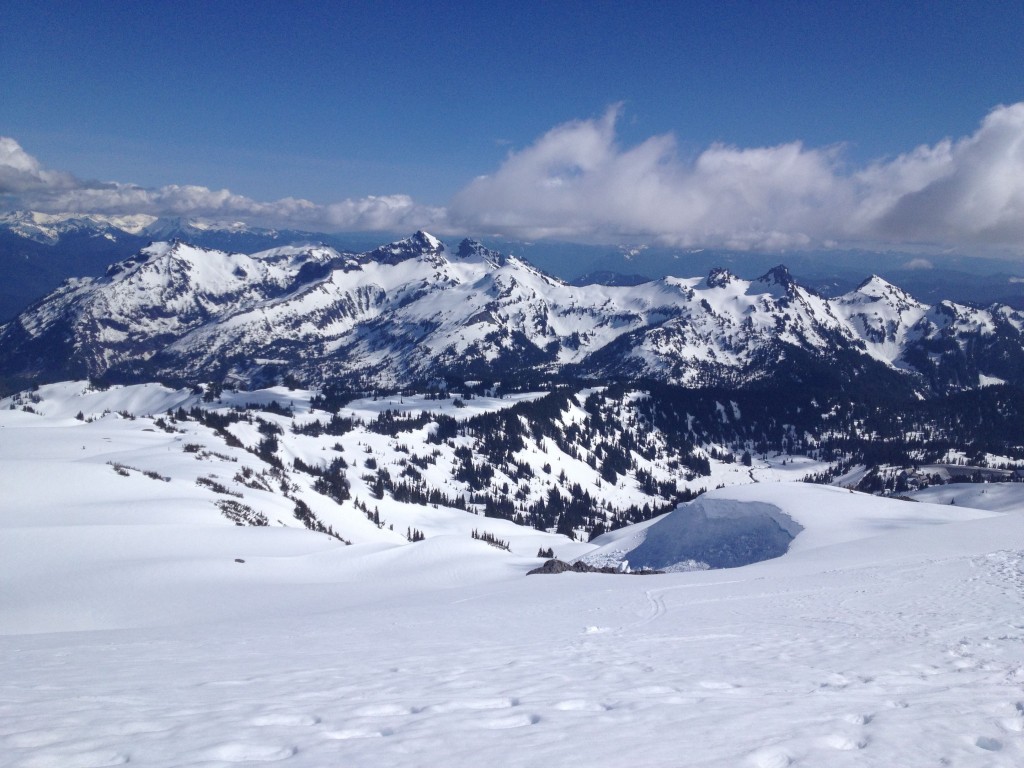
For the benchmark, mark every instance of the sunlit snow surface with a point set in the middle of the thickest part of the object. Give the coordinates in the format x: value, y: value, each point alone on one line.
x: 891, y: 634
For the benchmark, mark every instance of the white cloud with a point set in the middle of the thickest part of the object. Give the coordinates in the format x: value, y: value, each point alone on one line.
x: 967, y: 191
x: 384, y: 212
x: 26, y: 184
x: 576, y: 181
x: 20, y: 172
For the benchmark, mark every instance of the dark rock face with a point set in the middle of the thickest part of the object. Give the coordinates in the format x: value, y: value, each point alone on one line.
x: 560, y: 566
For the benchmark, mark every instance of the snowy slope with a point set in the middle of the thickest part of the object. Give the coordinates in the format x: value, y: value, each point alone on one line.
x: 890, y: 634
x: 137, y: 442
x: 366, y: 471
x: 884, y: 316
x: 811, y: 517
x: 996, y: 497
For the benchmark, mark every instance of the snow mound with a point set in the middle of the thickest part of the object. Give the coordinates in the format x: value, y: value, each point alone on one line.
x: 740, y: 525
x: 705, y: 533
x: 722, y: 533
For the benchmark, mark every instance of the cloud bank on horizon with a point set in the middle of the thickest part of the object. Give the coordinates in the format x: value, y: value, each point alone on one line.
x: 576, y: 182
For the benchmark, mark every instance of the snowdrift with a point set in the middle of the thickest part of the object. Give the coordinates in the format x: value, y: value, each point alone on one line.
x: 730, y: 527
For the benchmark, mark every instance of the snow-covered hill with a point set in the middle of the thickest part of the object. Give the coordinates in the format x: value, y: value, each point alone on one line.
x: 417, y: 311
x: 140, y: 625
x: 380, y: 469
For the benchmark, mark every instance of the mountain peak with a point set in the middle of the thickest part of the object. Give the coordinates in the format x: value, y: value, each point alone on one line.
x: 719, y: 277
x: 778, y: 275
x: 473, y: 249
x: 427, y: 240
x: 417, y: 245
x: 874, y: 285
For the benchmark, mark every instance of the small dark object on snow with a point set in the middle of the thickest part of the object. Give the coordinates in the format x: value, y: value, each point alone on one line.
x: 239, y: 560
x: 560, y: 566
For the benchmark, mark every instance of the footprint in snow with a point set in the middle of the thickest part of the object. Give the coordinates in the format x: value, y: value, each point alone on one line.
x: 845, y: 743
x: 1012, y: 724
x: 988, y: 744
x: 770, y: 757
x: 510, y: 721
x: 462, y: 705
x: 240, y: 752
x: 581, y: 705
x: 292, y: 721
x: 357, y: 733
x: 385, y: 710
x: 93, y: 759
x: 835, y: 682
x: 655, y: 690
x: 855, y: 719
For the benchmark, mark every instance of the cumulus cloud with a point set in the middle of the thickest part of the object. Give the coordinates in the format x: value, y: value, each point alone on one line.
x: 20, y: 172
x: 577, y: 182
x: 971, y: 190
x: 26, y: 184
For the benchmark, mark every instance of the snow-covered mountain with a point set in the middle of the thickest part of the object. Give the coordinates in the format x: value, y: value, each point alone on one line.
x: 417, y: 310
x: 51, y: 228
x: 38, y: 251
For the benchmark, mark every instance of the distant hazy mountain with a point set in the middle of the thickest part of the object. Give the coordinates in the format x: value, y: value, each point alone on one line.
x: 39, y: 250
x: 932, y: 278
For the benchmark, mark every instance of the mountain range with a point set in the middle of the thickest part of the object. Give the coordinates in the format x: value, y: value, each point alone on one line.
x: 418, y: 311
x: 38, y: 251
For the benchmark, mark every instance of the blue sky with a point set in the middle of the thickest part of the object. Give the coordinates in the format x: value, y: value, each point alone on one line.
x: 354, y: 103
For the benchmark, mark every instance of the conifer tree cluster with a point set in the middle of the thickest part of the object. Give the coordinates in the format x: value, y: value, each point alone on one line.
x: 491, y: 539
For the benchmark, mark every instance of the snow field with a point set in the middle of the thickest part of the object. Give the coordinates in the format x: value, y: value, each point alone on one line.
x: 368, y: 409
x: 997, y: 497
x: 890, y: 634
x: 909, y: 653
